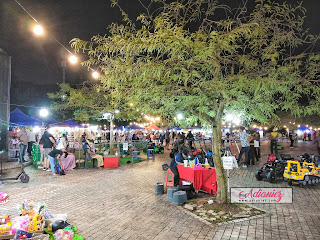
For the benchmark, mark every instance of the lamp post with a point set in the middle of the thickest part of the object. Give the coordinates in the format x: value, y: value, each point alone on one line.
x: 110, y: 117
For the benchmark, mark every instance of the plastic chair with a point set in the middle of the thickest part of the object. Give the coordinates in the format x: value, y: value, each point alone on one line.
x: 169, y: 182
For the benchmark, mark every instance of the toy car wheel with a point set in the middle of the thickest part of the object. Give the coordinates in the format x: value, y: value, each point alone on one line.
x: 289, y: 182
x: 303, y: 183
x: 309, y: 181
x: 258, y: 175
x: 313, y: 181
x: 317, y: 180
x: 285, y: 179
x: 271, y: 177
x: 24, y: 178
x: 306, y: 178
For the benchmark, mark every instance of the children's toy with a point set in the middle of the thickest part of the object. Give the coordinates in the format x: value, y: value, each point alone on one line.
x: 5, y: 228
x: 273, y: 168
x: 21, y: 234
x: 302, y: 172
x: 4, y: 219
x: 3, y: 197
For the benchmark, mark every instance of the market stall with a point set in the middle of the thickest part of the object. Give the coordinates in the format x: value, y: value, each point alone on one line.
x: 203, y: 179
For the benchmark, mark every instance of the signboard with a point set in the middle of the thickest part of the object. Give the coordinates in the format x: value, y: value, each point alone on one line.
x: 227, y: 162
x: 125, y: 146
x: 261, y: 195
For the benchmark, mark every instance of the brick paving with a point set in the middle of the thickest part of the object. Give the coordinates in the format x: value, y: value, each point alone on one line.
x: 120, y: 204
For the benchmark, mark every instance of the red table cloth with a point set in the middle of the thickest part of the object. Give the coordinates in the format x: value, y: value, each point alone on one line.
x: 203, y: 179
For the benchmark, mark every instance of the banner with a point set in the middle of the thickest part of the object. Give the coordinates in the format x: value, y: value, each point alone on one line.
x: 261, y: 195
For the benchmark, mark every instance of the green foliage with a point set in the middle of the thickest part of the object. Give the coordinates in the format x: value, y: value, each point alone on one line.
x: 243, y: 62
x: 90, y: 102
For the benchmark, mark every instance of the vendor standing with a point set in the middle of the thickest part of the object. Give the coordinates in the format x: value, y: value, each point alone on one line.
x: 178, y: 160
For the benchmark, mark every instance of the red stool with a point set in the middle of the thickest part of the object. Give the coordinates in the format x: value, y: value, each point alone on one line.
x: 170, y: 182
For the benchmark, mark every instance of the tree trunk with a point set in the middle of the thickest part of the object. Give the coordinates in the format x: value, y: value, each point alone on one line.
x: 222, y: 191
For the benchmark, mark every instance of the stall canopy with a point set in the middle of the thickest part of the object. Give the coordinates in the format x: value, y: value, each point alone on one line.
x: 303, y: 129
x: 18, y: 118
x: 121, y: 128
x: 134, y: 127
x: 68, y: 123
x: 153, y: 127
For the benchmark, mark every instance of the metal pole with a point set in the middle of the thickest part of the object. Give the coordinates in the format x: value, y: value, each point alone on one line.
x: 64, y: 64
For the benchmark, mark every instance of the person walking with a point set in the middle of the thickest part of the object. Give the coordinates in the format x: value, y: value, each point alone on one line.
x: 291, y: 137
x: 23, y: 139
x: 245, y: 146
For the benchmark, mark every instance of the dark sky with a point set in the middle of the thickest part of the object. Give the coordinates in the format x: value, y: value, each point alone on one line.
x: 36, y: 61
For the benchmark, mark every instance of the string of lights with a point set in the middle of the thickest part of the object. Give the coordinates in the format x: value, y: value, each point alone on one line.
x: 39, y: 31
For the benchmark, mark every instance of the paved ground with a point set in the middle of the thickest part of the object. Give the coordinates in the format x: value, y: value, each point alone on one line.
x: 120, y: 204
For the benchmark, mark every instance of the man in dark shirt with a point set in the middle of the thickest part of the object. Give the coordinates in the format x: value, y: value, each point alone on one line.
x: 177, y: 160
x: 54, y: 156
x: 48, y: 142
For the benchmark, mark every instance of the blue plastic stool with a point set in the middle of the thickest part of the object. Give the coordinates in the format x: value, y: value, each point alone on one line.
x: 150, y: 151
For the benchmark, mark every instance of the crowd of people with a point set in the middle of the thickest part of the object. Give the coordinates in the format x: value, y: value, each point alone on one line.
x: 56, y: 156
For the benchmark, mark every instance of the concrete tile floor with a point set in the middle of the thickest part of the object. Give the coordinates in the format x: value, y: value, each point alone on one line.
x: 120, y: 203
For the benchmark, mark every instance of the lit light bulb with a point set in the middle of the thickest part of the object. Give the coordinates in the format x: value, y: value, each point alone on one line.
x: 73, y: 59
x: 38, y: 30
x: 95, y: 75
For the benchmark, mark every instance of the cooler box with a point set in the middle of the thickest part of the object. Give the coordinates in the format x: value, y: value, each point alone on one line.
x: 111, y: 161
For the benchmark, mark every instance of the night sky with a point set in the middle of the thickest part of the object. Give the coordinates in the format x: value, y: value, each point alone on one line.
x: 36, y: 61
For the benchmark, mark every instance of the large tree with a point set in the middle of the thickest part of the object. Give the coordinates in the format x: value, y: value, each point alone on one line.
x: 203, y: 58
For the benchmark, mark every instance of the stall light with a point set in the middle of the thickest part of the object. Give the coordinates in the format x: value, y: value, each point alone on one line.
x: 137, y: 109
x: 294, y: 123
x: 131, y: 104
x: 196, y: 124
x: 290, y: 122
x: 307, y: 125
x: 284, y: 126
x: 254, y: 126
x: 299, y: 125
x: 265, y: 128
x: 36, y: 129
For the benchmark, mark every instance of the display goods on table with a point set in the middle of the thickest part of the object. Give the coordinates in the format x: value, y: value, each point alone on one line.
x: 36, y: 222
x: 273, y: 169
x: 302, y: 172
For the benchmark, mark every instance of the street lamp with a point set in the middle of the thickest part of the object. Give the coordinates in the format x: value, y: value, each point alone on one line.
x: 73, y: 59
x: 179, y: 116
x: 95, y: 75
x: 44, y: 112
x: 38, y: 30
